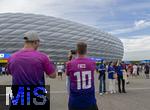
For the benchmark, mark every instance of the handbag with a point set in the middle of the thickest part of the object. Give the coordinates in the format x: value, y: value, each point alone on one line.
x: 124, y: 75
x: 115, y: 76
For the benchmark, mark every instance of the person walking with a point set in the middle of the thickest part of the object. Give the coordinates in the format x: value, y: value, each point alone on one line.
x: 102, y: 78
x: 130, y: 70
x: 135, y: 70
x: 60, y: 69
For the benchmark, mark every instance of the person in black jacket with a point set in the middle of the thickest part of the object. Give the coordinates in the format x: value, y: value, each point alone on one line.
x: 119, y: 70
x: 147, y: 67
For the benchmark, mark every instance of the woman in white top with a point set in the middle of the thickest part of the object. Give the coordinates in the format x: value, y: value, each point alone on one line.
x: 134, y: 69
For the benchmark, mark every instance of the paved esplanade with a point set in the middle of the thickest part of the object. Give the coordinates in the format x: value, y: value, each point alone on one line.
x: 137, y: 98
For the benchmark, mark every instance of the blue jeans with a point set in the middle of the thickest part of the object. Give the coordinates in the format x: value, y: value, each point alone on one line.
x: 102, y: 84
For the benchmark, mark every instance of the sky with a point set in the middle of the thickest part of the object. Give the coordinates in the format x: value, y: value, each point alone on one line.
x: 128, y: 20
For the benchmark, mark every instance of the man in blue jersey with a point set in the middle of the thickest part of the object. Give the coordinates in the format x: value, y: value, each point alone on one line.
x: 102, y: 85
x: 81, y: 74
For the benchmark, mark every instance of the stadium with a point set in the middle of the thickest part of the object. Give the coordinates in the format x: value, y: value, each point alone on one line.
x: 58, y: 36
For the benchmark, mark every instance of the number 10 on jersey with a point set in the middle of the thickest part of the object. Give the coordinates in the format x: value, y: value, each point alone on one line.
x: 83, y: 79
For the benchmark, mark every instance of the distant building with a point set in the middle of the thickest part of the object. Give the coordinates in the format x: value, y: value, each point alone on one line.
x: 58, y: 36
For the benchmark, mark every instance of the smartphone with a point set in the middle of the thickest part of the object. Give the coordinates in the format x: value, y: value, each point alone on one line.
x: 73, y: 52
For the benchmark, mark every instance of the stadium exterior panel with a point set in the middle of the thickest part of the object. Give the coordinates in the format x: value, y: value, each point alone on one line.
x: 58, y: 36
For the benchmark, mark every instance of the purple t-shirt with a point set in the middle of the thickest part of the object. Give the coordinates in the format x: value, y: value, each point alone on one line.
x: 82, y: 89
x: 27, y: 67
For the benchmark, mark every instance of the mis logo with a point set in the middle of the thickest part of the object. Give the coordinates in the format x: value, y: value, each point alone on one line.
x: 27, y: 97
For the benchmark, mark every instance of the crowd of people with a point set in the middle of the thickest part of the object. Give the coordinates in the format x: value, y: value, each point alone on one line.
x: 119, y: 72
x: 28, y: 65
x: 116, y: 71
x: 138, y: 69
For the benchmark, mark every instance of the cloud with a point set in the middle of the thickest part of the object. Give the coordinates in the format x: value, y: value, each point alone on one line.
x: 138, y: 25
x: 82, y: 11
x: 136, y: 56
x: 25, y: 6
x: 137, y: 43
x: 135, y: 6
x: 136, y: 48
x: 57, y: 6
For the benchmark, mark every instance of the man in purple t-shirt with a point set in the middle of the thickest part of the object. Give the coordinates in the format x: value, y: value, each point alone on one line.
x: 81, y: 81
x: 27, y: 66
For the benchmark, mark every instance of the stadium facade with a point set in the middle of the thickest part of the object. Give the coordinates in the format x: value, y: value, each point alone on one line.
x: 58, y: 36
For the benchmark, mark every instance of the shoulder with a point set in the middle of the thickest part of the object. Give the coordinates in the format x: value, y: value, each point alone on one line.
x: 90, y: 60
x: 44, y: 57
x: 14, y: 55
x: 41, y: 54
x: 72, y: 61
x: 68, y: 62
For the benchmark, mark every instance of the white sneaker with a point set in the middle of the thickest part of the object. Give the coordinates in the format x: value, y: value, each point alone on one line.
x: 114, y: 92
x: 101, y: 94
x: 111, y: 92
